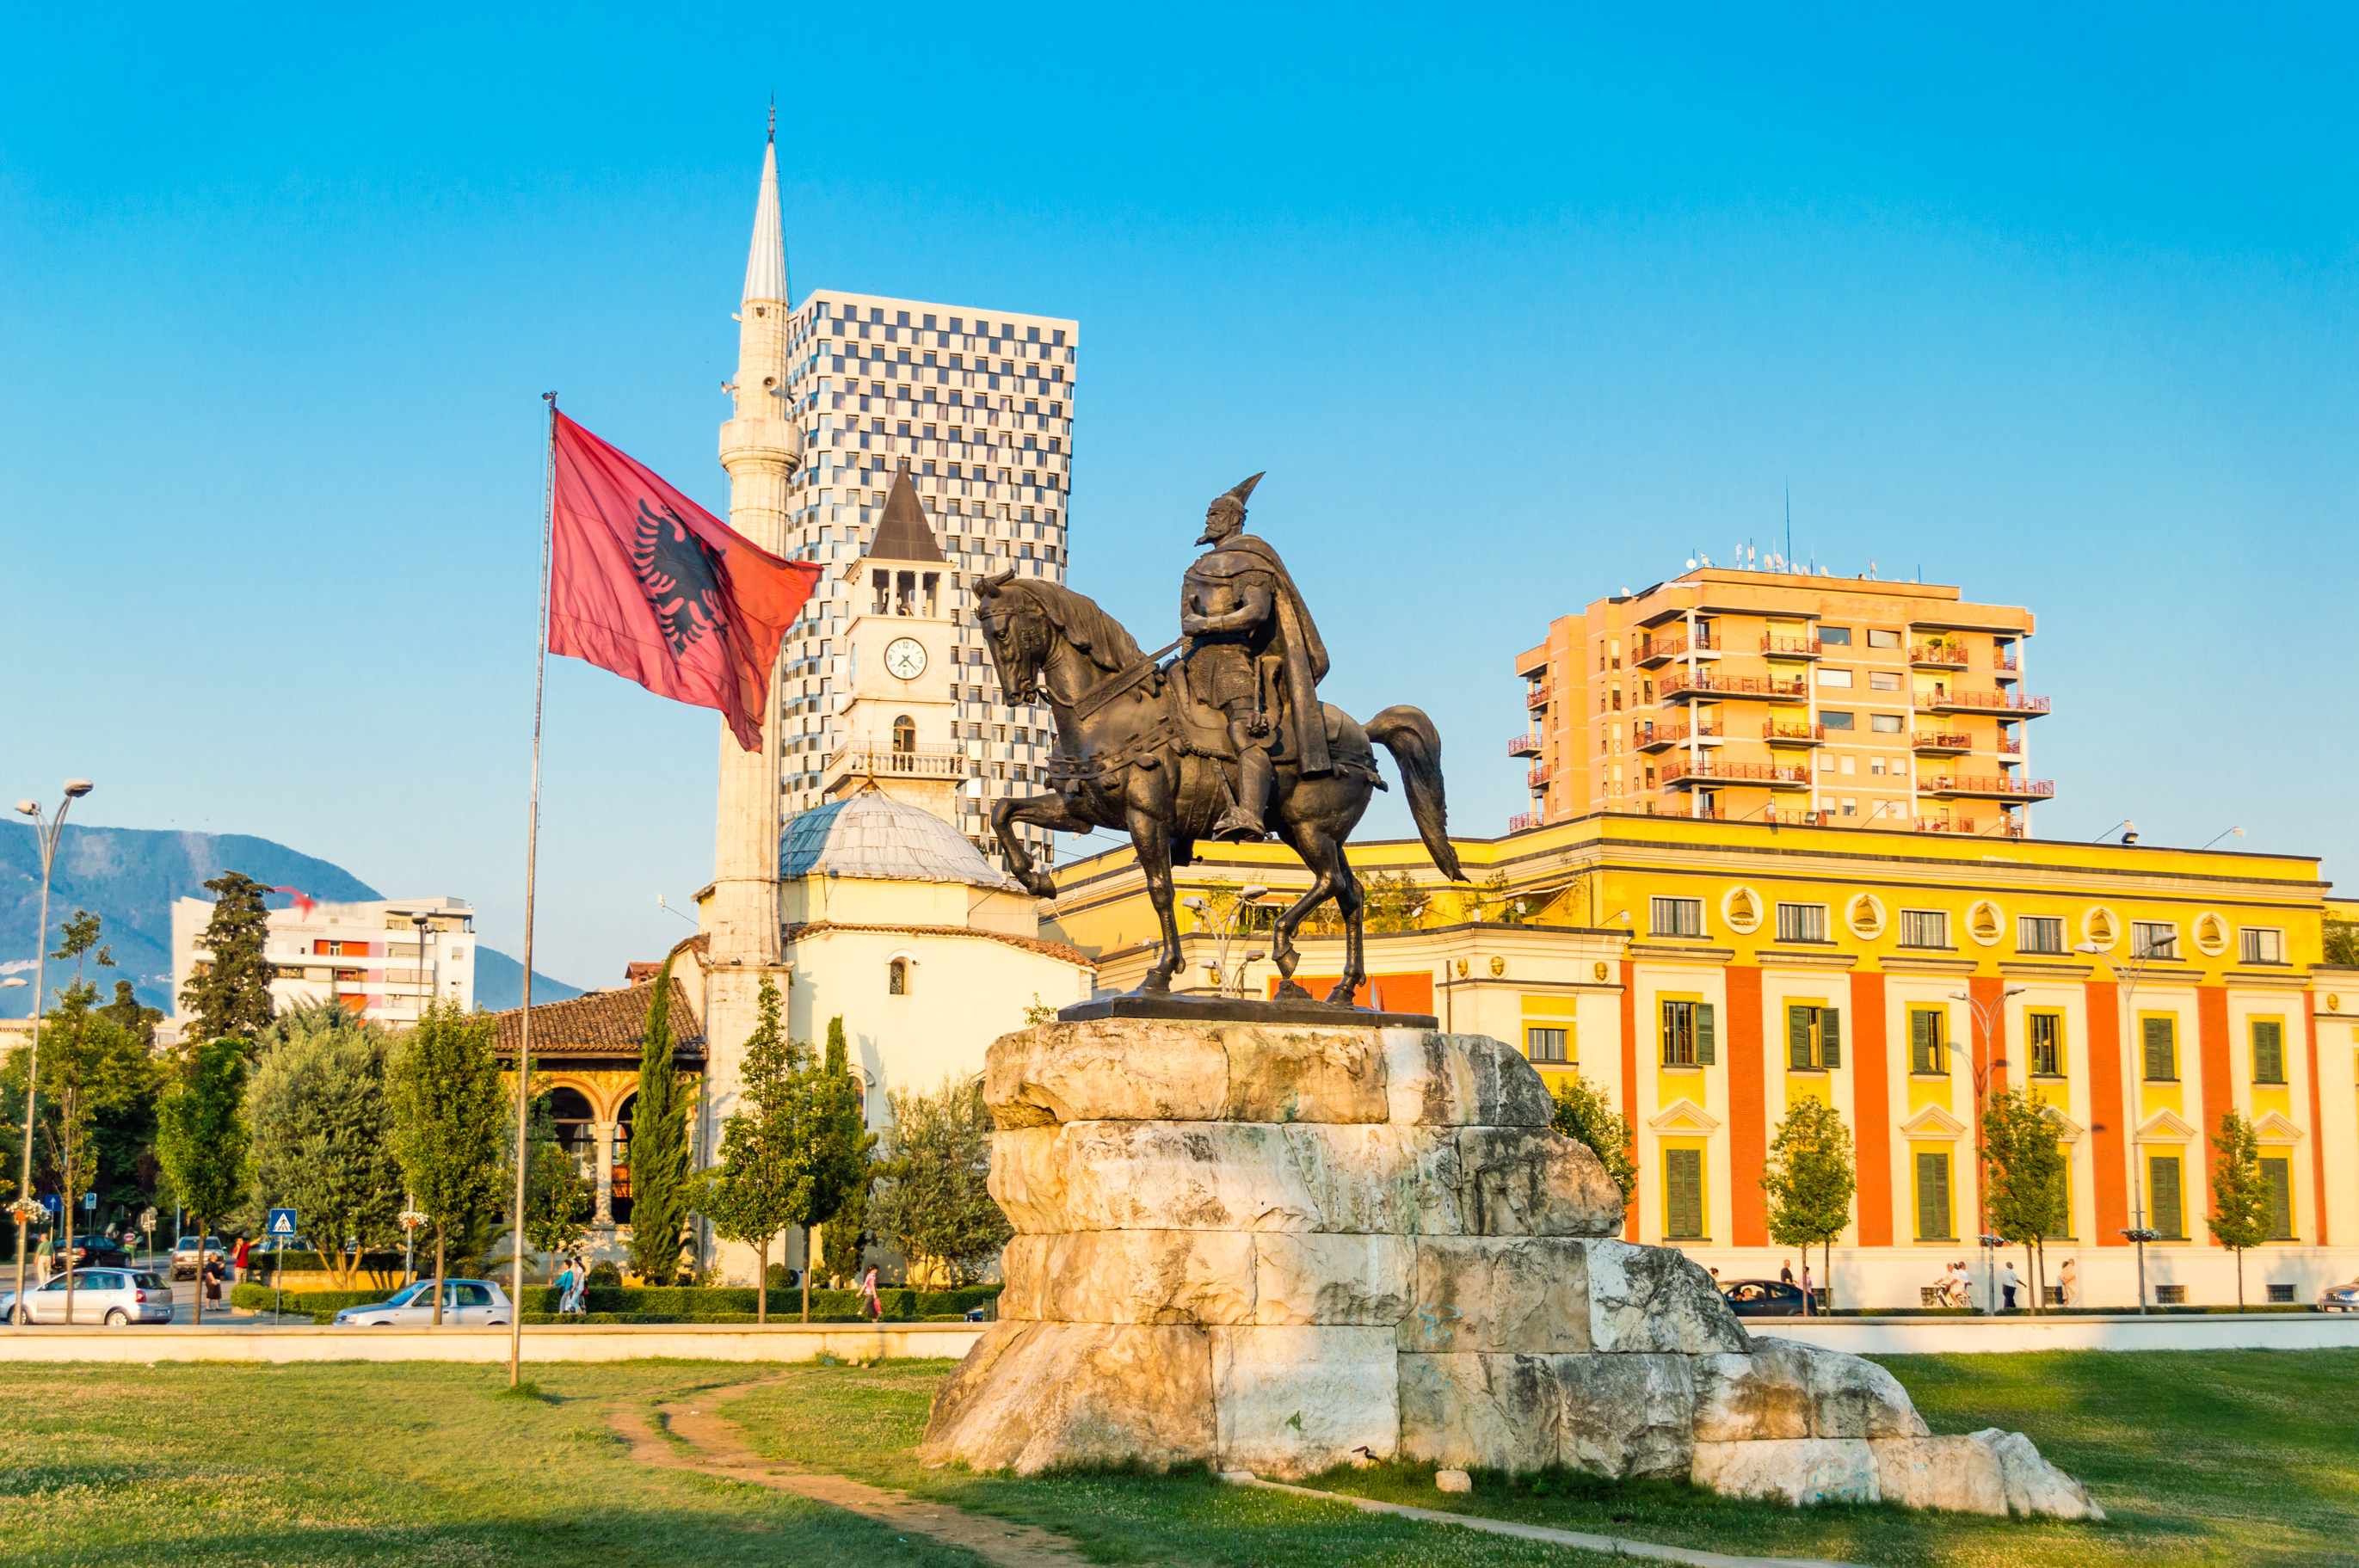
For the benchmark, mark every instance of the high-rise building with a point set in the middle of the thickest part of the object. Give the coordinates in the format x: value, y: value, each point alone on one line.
x: 382, y: 960
x: 1780, y: 698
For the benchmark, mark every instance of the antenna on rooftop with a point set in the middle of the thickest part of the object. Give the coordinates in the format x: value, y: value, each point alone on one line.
x: 1790, y: 521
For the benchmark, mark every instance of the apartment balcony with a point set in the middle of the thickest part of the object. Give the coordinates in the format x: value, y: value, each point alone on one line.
x: 1653, y: 651
x: 1791, y: 817
x: 1989, y: 788
x: 1937, y: 656
x: 1707, y: 771
x: 1940, y: 742
x: 1522, y: 821
x: 1789, y: 647
x: 1706, y: 682
x: 1526, y: 744
x: 1538, y: 778
x: 1700, y: 814
x: 1654, y: 736
x: 1969, y: 827
x: 1981, y: 702
x: 1538, y: 697
x: 1792, y: 733
x: 2007, y: 664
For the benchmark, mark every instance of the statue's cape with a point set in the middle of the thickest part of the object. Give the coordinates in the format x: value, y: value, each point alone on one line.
x: 1299, y: 644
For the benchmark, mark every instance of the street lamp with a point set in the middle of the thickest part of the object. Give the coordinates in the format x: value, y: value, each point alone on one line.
x: 1987, y: 1017
x: 409, y: 1200
x: 46, y: 831
x: 2126, y: 976
x: 1225, y: 931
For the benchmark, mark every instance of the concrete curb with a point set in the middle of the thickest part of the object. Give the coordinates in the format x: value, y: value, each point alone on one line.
x: 593, y: 1342
x: 2126, y: 1330
x: 1611, y: 1545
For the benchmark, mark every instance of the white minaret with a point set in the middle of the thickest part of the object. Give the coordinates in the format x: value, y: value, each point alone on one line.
x: 760, y: 448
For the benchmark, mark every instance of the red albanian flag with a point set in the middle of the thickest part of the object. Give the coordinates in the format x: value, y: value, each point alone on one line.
x: 645, y: 583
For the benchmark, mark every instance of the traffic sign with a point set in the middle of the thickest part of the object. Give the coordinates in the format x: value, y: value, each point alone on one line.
x: 282, y: 1223
x: 147, y: 1220
x: 90, y: 1200
x: 51, y: 1202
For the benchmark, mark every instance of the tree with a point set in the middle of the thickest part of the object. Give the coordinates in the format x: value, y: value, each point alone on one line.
x: 1584, y: 1115
x: 125, y: 1009
x: 201, y: 1137
x: 658, y: 1148
x: 837, y: 1149
x: 1810, y: 1180
x: 935, y: 1205
x: 2240, y: 1198
x: 449, y: 1110
x: 2024, y: 1197
x: 229, y: 997
x: 323, y: 1131
x: 759, y: 1187
x: 2341, y: 941
x: 89, y: 1066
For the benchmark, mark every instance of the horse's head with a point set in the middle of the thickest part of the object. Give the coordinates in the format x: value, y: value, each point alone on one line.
x: 1019, y: 631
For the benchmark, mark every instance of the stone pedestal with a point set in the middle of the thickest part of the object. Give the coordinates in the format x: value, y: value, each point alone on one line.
x: 1284, y: 1249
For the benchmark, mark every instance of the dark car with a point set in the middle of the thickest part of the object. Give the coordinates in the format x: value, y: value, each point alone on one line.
x: 98, y: 1253
x: 1762, y: 1298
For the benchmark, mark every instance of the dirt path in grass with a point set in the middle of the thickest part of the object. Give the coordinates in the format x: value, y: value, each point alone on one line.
x: 709, y: 1446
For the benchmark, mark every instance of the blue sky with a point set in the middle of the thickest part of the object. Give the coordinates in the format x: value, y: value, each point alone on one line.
x: 1518, y: 306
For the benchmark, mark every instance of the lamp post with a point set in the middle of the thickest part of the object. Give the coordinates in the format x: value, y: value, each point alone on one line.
x: 1987, y: 1019
x: 2127, y: 975
x: 409, y: 1200
x: 46, y: 832
x: 1225, y: 931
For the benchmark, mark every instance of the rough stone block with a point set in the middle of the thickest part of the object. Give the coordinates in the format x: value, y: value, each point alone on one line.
x: 1130, y: 1276
x: 1173, y: 1175
x: 1137, y: 1070
x: 1631, y: 1416
x: 1026, y: 1180
x: 1391, y: 1181
x: 1433, y: 1079
x: 1533, y: 1180
x: 2034, y: 1488
x: 1953, y: 1472
x: 1299, y: 1074
x: 1505, y: 1293
x: 1802, y: 1471
x: 1854, y: 1398
x: 1297, y: 1400
x: 1652, y: 1298
x: 1764, y: 1396
x: 1479, y: 1411
x: 1032, y: 1396
x: 1360, y: 1281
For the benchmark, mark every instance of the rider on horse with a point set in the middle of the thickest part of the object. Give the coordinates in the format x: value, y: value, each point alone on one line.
x: 1253, y: 653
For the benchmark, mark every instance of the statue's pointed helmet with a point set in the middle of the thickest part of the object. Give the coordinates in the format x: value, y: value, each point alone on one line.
x: 1232, y: 502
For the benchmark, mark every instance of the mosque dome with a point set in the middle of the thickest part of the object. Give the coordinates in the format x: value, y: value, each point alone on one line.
x: 872, y: 835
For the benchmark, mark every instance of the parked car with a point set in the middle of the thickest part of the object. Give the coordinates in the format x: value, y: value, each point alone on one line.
x: 1762, y: 1298
x: 469, y: 1303
x: 185, y: 1261
x: 2340, y: 1298
x: 115, y: 1296
x: 96, y: 1252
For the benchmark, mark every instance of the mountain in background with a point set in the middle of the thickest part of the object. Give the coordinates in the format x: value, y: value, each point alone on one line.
x: 129, y: 878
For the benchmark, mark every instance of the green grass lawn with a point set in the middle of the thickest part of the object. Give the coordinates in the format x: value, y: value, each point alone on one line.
x: 2231, y: 1458
x: 416, y: 1464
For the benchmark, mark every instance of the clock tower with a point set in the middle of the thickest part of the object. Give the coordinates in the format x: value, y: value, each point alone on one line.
x: 898, y: 717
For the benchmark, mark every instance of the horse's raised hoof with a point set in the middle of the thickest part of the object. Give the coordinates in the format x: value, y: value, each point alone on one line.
x: 1340, y: 996
x: 1155, y: 985
x: 1039, y: 884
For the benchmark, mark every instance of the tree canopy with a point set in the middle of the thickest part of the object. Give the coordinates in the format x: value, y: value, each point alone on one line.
x: 1809, y: 1180
x: 202, y: 1136
x: 659, y: 1185
x: 1584, y: 1115
x: 935, y: 1205
x: 231, y: 996
x: 323, y: 1132
x: 2240, y: 1196
x: 448, y: 1111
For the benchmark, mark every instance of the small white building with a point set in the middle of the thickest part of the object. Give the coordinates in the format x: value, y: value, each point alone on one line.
x: 375, y: 958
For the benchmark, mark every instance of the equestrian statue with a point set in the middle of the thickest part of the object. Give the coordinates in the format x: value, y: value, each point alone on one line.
x: 1229, y: 742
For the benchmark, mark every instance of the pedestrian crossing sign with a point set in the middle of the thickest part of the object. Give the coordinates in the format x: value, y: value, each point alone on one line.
x: 282, y: 1223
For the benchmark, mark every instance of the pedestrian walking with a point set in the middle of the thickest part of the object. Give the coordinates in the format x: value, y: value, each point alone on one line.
x: 1785, y: 1271
x: 212, y: 1277
x: 578, y: 1290
x: 2007, y: 1284
x: 870, y: 1307
x: 2069, y: 1282
x: 1809, y: 1306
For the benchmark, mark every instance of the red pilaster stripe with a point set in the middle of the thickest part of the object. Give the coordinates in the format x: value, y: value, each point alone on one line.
x: 2109, y: 1130
x: 2212, y: 1023
x: 1748, y: 1131
x: 1630, y: 1086
x: 1871, y: 1092
x: 1989, y: 992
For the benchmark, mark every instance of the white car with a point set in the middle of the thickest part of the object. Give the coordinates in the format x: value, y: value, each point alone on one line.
x: 115, y: 1296
x: 2340, y: 1298
x: 468, y: 1304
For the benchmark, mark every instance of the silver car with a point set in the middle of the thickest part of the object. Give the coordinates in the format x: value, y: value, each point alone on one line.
x: 469, y: 1303
x: 115, y: 1296
x: 2340, y: 1298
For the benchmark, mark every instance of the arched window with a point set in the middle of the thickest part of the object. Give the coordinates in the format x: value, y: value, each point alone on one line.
x: 570, y: 1109
x: 905, y: 734
x: 897, y: 978
x: 621, y: 1188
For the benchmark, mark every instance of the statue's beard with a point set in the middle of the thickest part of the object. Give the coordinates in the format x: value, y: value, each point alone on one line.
x: 1216, y: 530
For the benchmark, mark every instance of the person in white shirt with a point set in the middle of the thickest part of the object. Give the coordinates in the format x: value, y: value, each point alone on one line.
x: 2008, y: 1283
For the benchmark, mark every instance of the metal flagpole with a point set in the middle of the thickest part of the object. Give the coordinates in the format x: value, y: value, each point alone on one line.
x: 531, y: 885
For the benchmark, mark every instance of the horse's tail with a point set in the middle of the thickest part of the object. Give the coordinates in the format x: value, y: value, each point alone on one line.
x: 1416, y: 746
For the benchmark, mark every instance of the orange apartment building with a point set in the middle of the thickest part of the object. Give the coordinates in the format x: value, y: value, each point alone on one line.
x: 1780, y: 698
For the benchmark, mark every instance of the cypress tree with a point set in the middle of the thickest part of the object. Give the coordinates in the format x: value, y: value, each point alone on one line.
x: 658, y: 1148
x: 837, y: 1145
x: 232, y: 999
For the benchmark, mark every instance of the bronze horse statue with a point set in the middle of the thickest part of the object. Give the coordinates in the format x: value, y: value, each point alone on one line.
x: 1135, y: 754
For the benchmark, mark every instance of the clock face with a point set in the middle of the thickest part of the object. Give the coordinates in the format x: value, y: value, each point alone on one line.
x: 905, y: 657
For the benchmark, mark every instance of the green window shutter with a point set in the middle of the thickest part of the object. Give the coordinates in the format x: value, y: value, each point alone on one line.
x: 2162, y: 1185
x: 1830, y: 1037
x: 2268, y: 1052
x: 2278, y: 1176
x: 1933, y: 1196
x: 1921, y: 1041
x: 1797, y: 1037
x: 1704, y: 1057
x: 1683, y: 1193
x: 2161, y: 1057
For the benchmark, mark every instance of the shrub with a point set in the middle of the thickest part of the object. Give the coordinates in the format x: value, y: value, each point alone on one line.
x: 605, y: 1274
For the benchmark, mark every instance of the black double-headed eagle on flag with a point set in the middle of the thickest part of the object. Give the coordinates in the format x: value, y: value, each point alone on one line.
x: 680, y: 575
